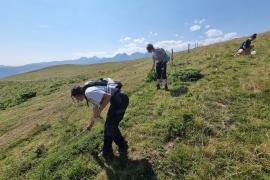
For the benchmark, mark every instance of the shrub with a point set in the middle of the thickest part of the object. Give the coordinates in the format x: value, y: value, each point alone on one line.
x: 151, y: 76
x: 25, y: 95
x: 187, y: 75
x: 21, y: 97
x: 52, y: 88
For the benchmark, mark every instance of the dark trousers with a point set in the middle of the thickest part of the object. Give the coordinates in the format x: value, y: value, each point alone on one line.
x: 119, y: 104
x: 161, y: 70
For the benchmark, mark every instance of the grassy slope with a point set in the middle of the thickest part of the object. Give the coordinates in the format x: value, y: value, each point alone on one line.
x: 218, y: 128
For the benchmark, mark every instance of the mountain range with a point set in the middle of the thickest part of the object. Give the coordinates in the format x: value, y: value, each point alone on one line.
x: 13, y: 70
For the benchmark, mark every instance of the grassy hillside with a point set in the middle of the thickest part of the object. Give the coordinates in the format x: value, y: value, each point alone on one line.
x: 217, y: 126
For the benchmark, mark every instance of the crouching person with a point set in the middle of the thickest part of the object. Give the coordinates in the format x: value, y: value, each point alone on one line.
x: 246, y: 47
x: 100, y: 93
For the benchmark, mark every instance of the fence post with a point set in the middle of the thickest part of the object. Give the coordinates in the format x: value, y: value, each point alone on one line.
x: 172, y: 57
x: 188, y: 47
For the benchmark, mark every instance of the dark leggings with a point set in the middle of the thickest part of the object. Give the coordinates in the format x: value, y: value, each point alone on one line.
x: 119, y: 104
x: 161, y: 70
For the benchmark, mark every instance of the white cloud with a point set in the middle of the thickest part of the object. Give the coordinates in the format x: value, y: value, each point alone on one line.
x: 231, y: 35
x: 213, y: 33
x: 195, y: 28
x: 207, y: 26
x: 225, y: 37
x: 125, y: 39
x: 183, y: 45
x: 177, y: 45
x: 169, y: 44
x: 151, y: 34
x: 139, y: 40
x: 131, y: 48
x: 132, y: 45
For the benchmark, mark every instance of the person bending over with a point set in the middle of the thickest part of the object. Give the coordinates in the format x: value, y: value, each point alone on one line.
x: 100, y: 96
x: 161, y: 66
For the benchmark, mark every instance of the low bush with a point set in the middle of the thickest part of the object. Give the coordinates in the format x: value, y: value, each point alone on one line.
x: 21, y: 97
x: 151, y: 76
x: 187, y: 75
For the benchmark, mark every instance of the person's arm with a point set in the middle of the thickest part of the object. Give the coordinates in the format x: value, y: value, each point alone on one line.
x: 153, y: 66
x: 98, y: 109
x: 105, y: 100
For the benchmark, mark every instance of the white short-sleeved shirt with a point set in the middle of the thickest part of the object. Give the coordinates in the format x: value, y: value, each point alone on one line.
x: 95, y: 94
x: 156, y: 55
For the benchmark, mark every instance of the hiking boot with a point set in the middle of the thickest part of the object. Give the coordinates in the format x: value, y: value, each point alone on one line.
x: 123, y: 155
x: 166, y: 87
x: 158, y: 87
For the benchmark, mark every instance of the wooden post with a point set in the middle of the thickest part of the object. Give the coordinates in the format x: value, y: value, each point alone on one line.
x: 172, y: 57
x: 188, y: 48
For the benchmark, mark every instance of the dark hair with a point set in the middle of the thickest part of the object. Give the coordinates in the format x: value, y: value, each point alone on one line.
x: 149, y: 47
x: 77, y: 90
x: 254, y: 36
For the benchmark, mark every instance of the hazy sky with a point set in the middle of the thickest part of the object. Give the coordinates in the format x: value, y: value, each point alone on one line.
x: 46, y: 30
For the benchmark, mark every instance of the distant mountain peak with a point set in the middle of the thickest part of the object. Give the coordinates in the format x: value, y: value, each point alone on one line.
x: 9, y: 70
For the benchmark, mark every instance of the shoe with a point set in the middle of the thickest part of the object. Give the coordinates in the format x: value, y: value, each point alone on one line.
x: 123, y: 157
x: 158, y: 87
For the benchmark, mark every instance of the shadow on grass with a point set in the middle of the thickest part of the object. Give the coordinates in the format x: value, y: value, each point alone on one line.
x: 127, y: 169
x: 179, y: 91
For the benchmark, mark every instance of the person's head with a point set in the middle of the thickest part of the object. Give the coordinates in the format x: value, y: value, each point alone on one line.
x: 77, y: 93
x: 253, y: 37
x: 150, y: 48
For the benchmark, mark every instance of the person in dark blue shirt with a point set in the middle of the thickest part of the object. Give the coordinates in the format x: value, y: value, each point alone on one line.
x: 246, y: 47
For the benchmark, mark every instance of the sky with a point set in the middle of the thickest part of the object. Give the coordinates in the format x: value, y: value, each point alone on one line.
x: 34, y: 31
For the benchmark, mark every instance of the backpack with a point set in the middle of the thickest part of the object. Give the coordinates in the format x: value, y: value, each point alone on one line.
x: 111, y: 84
x: 243, y: 45
x: 166, y: 57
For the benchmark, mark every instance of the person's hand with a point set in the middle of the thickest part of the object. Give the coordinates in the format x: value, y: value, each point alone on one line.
x: 90, y: 126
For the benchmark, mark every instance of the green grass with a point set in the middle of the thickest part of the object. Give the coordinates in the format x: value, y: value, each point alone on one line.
x: 212, y: 124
